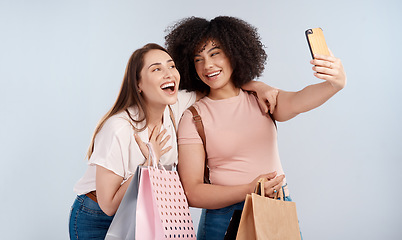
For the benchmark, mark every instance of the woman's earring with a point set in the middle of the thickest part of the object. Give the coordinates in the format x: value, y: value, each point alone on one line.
x: 139, y: 91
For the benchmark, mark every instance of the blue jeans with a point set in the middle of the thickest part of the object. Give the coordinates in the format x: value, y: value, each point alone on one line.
x: 214, y: 222
x: 87, y: 220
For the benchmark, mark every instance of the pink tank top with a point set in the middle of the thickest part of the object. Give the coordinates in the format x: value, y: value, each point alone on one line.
x: 241, y: 140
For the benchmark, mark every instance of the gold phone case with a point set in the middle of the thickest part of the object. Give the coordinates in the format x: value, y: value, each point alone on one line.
x: 316, y: 42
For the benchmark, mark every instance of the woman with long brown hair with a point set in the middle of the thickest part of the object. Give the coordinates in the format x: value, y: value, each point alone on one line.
x: 140, y: 112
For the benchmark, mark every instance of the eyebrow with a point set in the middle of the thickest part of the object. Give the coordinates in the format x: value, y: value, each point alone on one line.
x: 210, y: 50
x: 158, y: 63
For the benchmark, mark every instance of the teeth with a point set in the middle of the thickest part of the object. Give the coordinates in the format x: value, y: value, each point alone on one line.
x: 214, y: 74
x: 167, y: 85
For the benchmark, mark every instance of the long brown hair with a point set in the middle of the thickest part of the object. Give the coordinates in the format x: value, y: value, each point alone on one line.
x: 129, y: 94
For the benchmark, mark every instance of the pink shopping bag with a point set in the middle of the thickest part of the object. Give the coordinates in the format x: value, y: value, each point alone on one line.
x: 162, y: 207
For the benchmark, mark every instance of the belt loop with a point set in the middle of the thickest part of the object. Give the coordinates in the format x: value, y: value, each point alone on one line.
x: 285, y: 190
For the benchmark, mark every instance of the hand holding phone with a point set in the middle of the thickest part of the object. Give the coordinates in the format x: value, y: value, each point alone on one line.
x: 327, y: 67
x: 316, y: 42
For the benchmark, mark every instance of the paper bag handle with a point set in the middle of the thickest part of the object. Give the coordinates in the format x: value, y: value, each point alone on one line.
x: 260, y: 189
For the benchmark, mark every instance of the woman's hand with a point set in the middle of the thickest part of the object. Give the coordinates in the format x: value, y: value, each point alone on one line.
x: 157, y: 141
x: 266, y: 95
x: 330, y: 69
x: 267, y: 98
x: 272, y: 185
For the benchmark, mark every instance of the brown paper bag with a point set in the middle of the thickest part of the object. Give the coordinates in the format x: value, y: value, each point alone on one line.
x: 264, y: 218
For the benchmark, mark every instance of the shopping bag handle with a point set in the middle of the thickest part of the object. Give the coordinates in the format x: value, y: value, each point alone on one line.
x: 260, y: 189
x: 152, y: 157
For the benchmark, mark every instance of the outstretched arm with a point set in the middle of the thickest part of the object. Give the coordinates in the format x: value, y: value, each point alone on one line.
x: 327, y: 68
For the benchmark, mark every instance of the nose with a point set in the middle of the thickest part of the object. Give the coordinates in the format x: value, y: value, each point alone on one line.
x: 168, y: 73
x: 208, y: 63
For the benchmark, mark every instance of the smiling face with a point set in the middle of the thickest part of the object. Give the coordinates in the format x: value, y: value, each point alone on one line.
x: 159, y: 79
x: 214, y: 68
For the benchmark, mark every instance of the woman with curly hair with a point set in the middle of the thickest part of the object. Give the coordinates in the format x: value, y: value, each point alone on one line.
x: 217, y: 57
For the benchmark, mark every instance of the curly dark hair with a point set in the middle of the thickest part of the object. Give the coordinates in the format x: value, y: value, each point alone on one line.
x: 238, y: 39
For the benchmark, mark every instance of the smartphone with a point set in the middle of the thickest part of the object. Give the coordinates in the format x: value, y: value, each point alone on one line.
x: 316, y: 42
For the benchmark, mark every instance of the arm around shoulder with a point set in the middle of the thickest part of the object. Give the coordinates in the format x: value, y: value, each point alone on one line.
x: 266, y: 94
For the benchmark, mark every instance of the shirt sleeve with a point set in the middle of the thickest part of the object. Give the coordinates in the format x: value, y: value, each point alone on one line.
x: 111, y: 148
x: 187, y: 132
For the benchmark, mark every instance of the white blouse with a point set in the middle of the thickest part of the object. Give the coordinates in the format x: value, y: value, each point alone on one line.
x: 116, y: 149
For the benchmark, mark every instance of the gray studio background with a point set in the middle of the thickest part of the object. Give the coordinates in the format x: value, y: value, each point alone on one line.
x: 62, y: 62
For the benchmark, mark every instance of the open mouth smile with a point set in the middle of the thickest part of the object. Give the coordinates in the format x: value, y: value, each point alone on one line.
x: 169, y: 87
x: 214, y: 74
